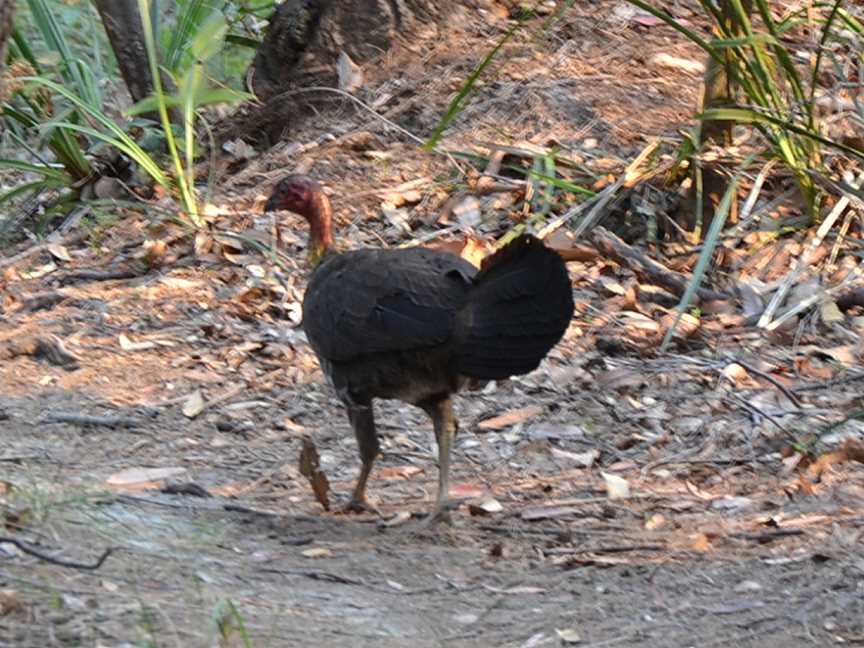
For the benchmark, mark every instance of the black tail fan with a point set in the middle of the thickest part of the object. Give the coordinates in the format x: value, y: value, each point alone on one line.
x: 520, y: 307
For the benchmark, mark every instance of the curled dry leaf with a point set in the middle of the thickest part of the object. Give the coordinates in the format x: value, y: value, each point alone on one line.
x: 510, y: 418
x: 851, y: 450
x: 59, y: 252
x: 194, y: 404
x: 485, y: 506
x: 397, y: 520
x: 616, y: 487
x: 137, y: 479
x: 568, y: 635
x: 583, y: 459
x: 399, y: 472
x: 701, y: 543
x: 735, y: 373
x: 311, y: 469
x: 10, y: 602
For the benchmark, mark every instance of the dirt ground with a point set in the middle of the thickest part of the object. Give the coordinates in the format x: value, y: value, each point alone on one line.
x: 206, y: 387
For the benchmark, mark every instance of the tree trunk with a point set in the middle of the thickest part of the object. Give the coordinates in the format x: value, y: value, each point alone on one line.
x: 720, y: 91
x: 7, y: 13
x: 308, y: 36
x: 125, y: 31
x: 122, y: 23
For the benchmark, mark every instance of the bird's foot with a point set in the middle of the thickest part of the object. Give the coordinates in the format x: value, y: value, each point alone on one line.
x: 441, y: 514
x: 360, y: 506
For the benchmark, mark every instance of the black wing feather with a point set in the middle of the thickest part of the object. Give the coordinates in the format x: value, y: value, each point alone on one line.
x: 377, y: 301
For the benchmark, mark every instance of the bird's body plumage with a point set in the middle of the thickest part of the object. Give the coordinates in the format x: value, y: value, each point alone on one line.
x: 417, y: 324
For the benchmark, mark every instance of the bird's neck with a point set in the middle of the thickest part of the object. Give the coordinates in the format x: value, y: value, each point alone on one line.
x: 320, y: 232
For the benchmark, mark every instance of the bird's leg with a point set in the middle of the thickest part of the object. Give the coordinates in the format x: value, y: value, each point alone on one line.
x: 362, y: 420
x: 445, y: 424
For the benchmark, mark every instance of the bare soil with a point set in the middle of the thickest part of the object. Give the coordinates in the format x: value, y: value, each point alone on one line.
x: 725, y: 538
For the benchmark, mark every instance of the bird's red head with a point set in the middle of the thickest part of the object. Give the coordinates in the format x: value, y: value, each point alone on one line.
x: 302, y: 195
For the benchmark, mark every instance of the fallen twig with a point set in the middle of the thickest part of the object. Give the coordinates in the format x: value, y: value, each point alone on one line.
x: 647, y: 269
x: 827, y: 384
x: 90, y: 274
x: 559, y: 551
x: 90, y: 420
x: 72, y: 239
x: 47, y: 346
x: 30, y: 551
x: 762, y: 374
x: 768, y: 536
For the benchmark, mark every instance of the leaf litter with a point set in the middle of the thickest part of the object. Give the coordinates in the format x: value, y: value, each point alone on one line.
x: 609, y: 459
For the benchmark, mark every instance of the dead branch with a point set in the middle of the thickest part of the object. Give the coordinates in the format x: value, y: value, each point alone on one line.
x: 768, y: 536
x: 30, y: 551
x: 762, y: 374
x: 88, y: 420
x: 646, y: 269
x: 66, y: 241
x: 90, y: 274
x: 49, y: 347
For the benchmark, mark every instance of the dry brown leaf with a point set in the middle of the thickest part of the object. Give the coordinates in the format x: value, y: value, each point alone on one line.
x: 59, y: 252
x: 568, y: 636
x: 194, y: 404
x: 654, y: 522
x: 805, y: 485
x: 10, y: 602
x: 140, y: 479
x: 397, y: 520
x: 584, y: 459
x: 851, y: 450
x: 616, y: 487
x: 510, y: 418
x: 701, y: 543
x: 399, y: 472
x: 466, y: 491
x: 311, y: 469
x: 485, y: 506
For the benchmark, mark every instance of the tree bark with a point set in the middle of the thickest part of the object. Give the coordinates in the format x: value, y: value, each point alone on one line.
x: 308, y: 36
x: 7, y: 13
x: 720, y: 91
x: 125, y: 31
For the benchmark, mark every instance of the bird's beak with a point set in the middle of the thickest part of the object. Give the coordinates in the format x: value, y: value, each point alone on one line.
x: 272, y: 204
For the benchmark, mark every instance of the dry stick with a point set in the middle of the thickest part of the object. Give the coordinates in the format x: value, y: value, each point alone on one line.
x: 551, y: 551
x: 755, y: 191
x: 804, y: 261
x: 756, y: 410
x: 36, y: 249
x: 612, y: 246
x: 87, y: 420
x: 827, y: 384
x: 91, y: 274
x: 856, y: 273
x: 30, y: 551
x: 762, y: 374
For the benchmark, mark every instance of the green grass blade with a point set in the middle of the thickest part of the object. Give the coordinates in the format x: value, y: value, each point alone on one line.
x: 36, y: 185
x: 52, y: 172
x: 191, y: 17
x: 711, y: 239
x: 746, y: 115
x: 467, y: 88
x: 184, y: 184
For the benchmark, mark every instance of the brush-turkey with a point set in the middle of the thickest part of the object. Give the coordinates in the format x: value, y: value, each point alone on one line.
x: 416, y: 324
